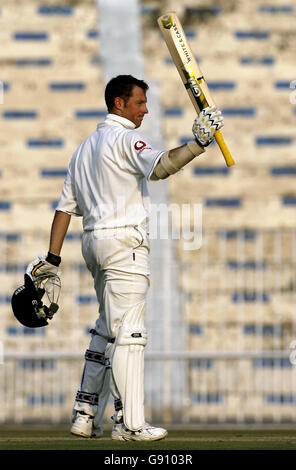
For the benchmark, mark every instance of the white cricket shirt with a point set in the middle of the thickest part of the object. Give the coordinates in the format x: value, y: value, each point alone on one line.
x: 106, y: 182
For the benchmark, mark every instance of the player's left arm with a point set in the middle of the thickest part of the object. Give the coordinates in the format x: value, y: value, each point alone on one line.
x: 204, y: 127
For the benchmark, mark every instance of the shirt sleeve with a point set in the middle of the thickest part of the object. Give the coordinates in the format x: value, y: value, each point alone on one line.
x: 67, y: 202
x: 140, y: 154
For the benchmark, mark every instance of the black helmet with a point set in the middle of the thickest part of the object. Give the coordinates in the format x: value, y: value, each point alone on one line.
x: 28, y: 307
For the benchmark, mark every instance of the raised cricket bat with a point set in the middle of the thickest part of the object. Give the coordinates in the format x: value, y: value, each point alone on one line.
x: 189, y: 71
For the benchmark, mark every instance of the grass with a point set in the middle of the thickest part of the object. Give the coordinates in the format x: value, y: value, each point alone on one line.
x: 23, y: 439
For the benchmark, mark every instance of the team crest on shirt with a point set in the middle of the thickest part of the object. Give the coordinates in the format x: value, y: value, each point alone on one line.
x: 140, y: 145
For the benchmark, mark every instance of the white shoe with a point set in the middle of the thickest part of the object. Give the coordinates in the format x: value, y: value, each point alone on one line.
x: 82, y: 425
x: 147, y: 433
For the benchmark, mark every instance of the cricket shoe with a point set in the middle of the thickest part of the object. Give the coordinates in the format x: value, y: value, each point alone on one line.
x: 83, y: 425
x: 148, y: 433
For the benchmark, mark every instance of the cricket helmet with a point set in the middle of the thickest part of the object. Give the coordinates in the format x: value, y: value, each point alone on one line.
x: 27, y: 305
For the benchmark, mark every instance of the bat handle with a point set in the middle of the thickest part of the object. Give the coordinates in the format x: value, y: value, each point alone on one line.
x: 224, y: 149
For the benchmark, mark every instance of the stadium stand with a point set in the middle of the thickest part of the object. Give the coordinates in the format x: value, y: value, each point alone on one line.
x: 239, y: 288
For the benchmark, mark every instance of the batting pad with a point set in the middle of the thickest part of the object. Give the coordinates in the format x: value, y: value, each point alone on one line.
x: 128, y: 366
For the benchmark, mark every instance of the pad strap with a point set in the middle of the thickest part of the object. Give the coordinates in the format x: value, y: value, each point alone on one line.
x: 90, y: 398
x: 94, y: 332
x: 94, y: 356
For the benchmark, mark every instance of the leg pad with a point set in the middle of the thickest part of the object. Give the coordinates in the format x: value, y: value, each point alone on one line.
x: 128, y: 367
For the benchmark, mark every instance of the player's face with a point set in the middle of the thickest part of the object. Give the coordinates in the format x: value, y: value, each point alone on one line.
x: 135, y: 108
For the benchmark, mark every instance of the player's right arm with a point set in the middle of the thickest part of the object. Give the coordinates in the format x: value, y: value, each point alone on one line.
x: 49, y: 264
x: 58, y: 232
x: 204, y: 127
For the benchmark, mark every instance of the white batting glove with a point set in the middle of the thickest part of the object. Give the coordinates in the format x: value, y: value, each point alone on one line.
x: 44, y: 266
x: 43, y: 270
x: 206, y: 124
x: 41, y: 266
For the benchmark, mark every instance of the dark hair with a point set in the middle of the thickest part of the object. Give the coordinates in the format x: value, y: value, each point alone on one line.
x: 122, y: 86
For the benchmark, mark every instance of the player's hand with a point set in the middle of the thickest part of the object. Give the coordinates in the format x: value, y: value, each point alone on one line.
x: 44, y: 266
x: 206, y: 124
x: 44, y: 271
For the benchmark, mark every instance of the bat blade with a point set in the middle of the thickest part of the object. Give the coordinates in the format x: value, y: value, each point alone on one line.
x: 189, y: 71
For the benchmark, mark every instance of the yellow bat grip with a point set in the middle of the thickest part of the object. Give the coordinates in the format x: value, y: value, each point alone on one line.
x: 224, y: 149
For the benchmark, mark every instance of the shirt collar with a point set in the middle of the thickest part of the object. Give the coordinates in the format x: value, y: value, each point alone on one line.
x: 111, y: 118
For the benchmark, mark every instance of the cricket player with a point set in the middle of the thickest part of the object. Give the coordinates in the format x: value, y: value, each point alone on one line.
x: 106, y: 185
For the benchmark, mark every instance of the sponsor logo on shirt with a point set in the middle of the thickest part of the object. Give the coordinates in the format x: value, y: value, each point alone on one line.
x: 140, y: 145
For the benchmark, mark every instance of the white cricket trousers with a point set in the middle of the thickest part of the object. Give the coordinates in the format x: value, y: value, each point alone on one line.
x: 118, y: 260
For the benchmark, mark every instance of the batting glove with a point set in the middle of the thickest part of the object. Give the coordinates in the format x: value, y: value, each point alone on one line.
x: 44, y: 271
x: 206, y: 124
x: 44, y: 266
